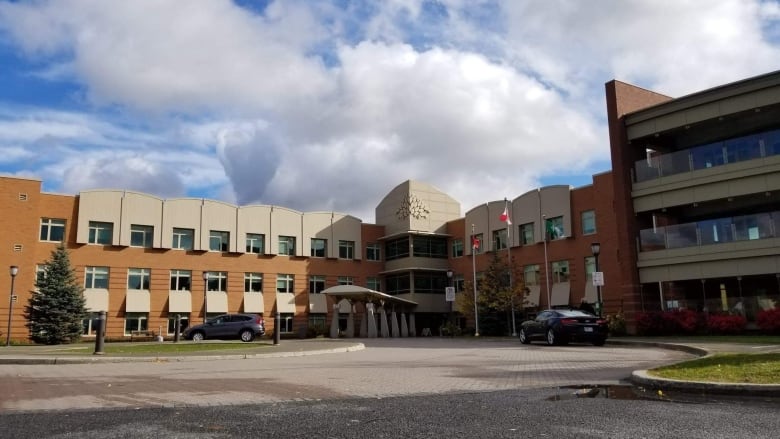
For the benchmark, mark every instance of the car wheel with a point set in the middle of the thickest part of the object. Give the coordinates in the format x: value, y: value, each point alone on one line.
x: 599, y: 341
x: 551, y: 338
x: 247, y: 335
x: 198, y: 336
x: 523, y: 336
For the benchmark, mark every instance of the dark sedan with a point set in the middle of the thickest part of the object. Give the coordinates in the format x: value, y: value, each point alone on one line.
x: 560, y: 326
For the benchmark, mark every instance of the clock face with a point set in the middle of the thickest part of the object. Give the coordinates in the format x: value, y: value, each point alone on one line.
x: 412, y: 206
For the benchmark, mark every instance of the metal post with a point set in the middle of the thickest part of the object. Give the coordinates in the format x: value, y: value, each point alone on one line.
x: 546, y: 263
x: 176, y: 328
x: 277, y: 327
x: 100, y: 333
x: 598, y: 287
x: 452, y: 304
x: 205, y: 284
x: 474, y: 269
x: 14, y: 270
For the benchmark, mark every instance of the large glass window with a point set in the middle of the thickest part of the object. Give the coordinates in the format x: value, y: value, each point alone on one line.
x: 255, y: 243
x: 253, y: 283
x: 531, y: 274
x: 217, y: 281
x: 398, y: 284
x: 373, y: 252
x: 219, y: 241
x: 285, y: 322
x: 316, y: 284
x: 527, y: 234
x: 589, y: 222
x: 183, y: 323
x: 590, y: 267
x: 96, y: 277
x: 136, y: 321
x: 183, y: 238
x: 430, y: 247
x: 91, y: 324
x: 397, y: 248
x: 346, y: 249
x: 560, y: 271
x: 477, y: 243
x: 500, y: 239
x: 430, y: 283
x: 319, y: 247
x: 181, y: 280
x: 138, y: 278
x: 459, y: 282
x: 287, y: 245
x: 346, y: 280
x: 141, y: 236
x: 457, y: 248
x: 554, y: 228
x: 52, y: 230
x: 100, y: 232
x: 285, y: 283
x: 372, y: 283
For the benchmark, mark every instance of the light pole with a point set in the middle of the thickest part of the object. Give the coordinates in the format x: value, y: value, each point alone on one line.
x: 595, y: 248
x: 14, y: 271
x: 449, y: 284
x: 546, y: 264
x: 205, y: 284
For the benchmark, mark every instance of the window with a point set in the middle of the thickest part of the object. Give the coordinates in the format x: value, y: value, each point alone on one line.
x: 52, y: 230
x: 476, y: 243
x: 180, y: 280
x: 285, y: 283
x: 589, y: 222
x: 398, y: 284
x: 183, y: 238
x: 372, y: 283
x: 318, y: 247
x: 457, y: 248
x: 431, y: 283
x: 346, y: 249
x: 459, y: 283
x: 285, y: 322
x: 316, y: 284
x: 287, y: 245
x: 183, y: 324
x: 100, y: 233
x: 136, y: 321
x: 531, y: 274
x: 397, y: 248
x: 216, y: 281
x: 219, y: 241
x: 96, y: 277
x: 554, y: 228
x: 373, y: 252
x: 527, y: 234
x: 253, y: 283
x: 318, y: 322
x: 590, y: 267
x: 141, y: 236
x: 346, y: 280
x: 500, y: 241
x: 91, y: 324
x: 429, y: 247
x: 255, y: 243
x: 40, y: 274
x: 560, y: 271
x: 138, y: 278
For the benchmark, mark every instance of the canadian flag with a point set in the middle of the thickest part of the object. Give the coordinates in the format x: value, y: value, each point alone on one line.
x: 474, y: 242
x: 505, y: 216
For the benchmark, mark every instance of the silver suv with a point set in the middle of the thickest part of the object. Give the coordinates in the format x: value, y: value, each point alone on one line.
x: 243, y: 326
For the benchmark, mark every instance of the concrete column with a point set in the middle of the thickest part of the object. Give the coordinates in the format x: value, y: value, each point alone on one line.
x: 351, y: 321
x: 371, y: 320
x: 385, y: 330
x: 404, y: 326
x: 394, y: 325
x: 364, y: 322
x: 334, y: 322
x: 412, y: 329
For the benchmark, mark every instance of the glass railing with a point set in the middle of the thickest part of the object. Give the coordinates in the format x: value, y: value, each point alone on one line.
x: 735, y: 150
x: 713, y: 231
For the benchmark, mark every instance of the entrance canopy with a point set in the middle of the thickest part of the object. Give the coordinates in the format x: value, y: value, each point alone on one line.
x: 362, y: 294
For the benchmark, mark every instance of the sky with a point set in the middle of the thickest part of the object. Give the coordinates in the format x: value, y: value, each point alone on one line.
x: 328, y: 105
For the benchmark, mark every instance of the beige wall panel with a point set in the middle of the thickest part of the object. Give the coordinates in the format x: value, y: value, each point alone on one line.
x: 346, y: 228
x: 532, y: 300
x: 427, y: 302
x: 216, y: 301
x: 141, y: 209
x: 221, y: 217
x: 285, y: 302
x: 318, y: 225
x: 702, y: 112
x: 684, y: 271
x: 737, y: 104
x: 745, y: 186
x: 555, y: 202
x: 137, y: 301
x: 286, y: 222
x: 253, y: 219
x: 527, y: 208
x: 181, y: 213
x: 561, y: 293
x: 760, y: 265
x: 653, y: 274
x: 430, y: 209
x: 253, y: 302
x: 97, y: 299
x: 670, y: 121
x: 386, y: 211
x: 104, y: 206
x: 678, y: 197
x: 767, y: 96
x: 318, y: 303
x: 718, y: 269
x: 712, y: 191
x: 648, y: 203
x: 591, y: 294
x: 179, y: 302
x: 479, y: 218
x: 414, y: 262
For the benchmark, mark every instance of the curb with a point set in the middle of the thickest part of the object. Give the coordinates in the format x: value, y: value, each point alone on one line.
x: 669, y: 346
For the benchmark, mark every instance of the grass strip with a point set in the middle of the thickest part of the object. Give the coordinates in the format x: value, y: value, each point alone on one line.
x: 147, y: 349
x: 726, y: 368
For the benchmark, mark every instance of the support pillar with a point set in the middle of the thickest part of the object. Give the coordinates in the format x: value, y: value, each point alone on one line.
x: 351, y: 322
x: 412, y: 327
x: 404, y: 326
x: 385, y: 331
x: 371, y: 320
x: 394, y: 330
x: 334, y: 322
x: 364, y: 322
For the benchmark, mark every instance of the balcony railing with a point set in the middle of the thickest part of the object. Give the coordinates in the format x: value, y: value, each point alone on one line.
x: 735, y: 150
x: 713, y: 231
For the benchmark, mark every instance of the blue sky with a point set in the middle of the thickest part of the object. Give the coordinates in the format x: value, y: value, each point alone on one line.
x: 328, y: 105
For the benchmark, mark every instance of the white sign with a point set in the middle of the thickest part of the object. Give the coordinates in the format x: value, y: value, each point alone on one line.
x: 449, y: 294
x: 13, y: 298
x: 598, y: 278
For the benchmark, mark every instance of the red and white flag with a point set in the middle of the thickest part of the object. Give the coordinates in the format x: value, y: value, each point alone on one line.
x: 474, y: 242
x: 505, y: 216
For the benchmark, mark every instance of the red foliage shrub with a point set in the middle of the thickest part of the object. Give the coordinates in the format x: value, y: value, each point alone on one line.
x: 676, y: 322
x: 725, y: 324
x: 769, y: 321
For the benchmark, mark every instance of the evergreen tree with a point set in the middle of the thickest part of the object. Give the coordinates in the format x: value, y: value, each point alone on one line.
x: 57, y: 306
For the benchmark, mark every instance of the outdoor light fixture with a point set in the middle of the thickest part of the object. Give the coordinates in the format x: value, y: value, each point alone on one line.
x: 205, y: 284
x: 14, y: 270
x: 452, y: 303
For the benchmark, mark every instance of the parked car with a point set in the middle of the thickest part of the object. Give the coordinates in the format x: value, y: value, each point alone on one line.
x: 243, y: 326
x: 560, y: 326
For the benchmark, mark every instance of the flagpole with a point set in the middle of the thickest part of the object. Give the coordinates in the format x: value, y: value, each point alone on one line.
x: 509, y: 258
x: 546, y: 264
x: 474, y: 268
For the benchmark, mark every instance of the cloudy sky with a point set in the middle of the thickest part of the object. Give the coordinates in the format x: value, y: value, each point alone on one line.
x: 328, y: 105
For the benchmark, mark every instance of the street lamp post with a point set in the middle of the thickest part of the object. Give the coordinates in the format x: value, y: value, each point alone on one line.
x: 449, y: 284
x: 205, y: 284
x: 14, y: 271
x: 595, y: 248
x: 546, y: 263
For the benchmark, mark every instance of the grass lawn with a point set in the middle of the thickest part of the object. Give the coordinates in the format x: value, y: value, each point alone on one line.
x: 146, y: 349
x: 726, y: 368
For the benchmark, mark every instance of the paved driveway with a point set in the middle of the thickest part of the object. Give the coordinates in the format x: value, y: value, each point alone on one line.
x: 386, y: 368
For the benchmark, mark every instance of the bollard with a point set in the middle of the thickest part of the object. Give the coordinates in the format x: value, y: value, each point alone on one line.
x: 277, y: 327
x: 176, y: 328
x: 100, y: 333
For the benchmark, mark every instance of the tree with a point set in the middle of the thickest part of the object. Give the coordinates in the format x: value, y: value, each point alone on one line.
x: 57, y: 306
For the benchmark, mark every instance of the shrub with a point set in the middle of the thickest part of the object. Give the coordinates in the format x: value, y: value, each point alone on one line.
x: 616, y: 324
x: 769, y: 321
x: 676, y: 322
x: 725, y: 324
